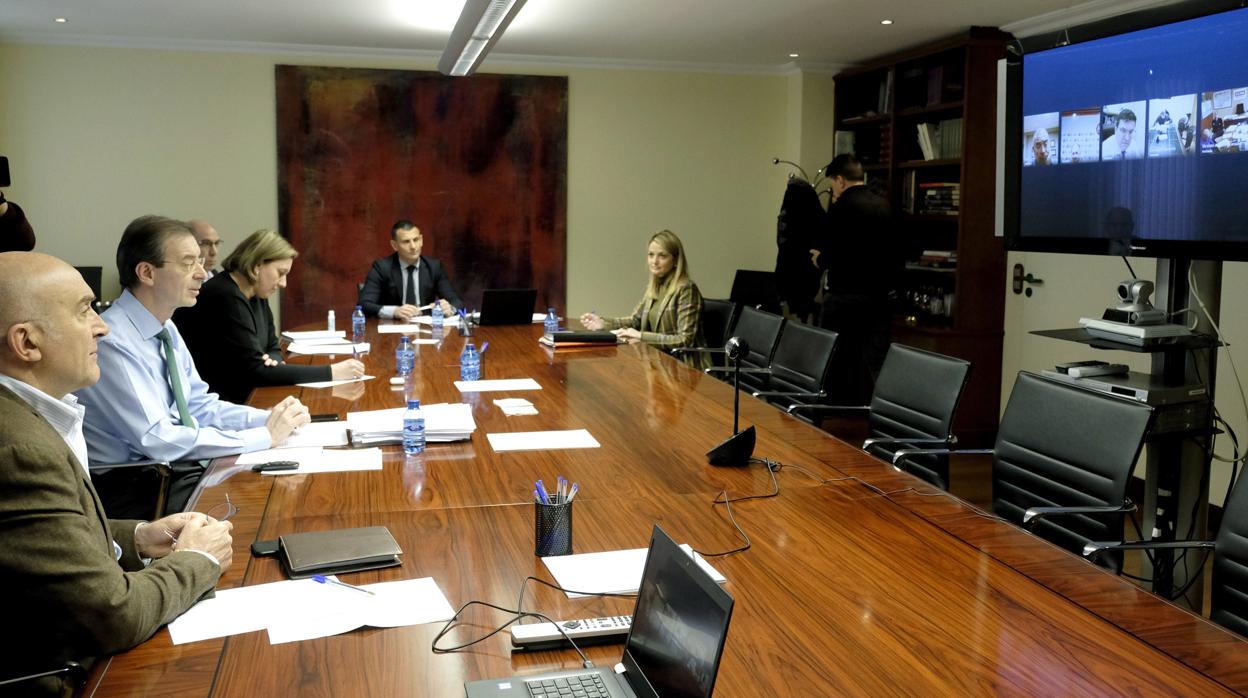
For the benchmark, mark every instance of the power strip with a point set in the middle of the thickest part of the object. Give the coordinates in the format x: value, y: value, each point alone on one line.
x: 582, y: 631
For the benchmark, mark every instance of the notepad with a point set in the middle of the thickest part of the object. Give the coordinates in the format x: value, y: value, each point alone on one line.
x: 340, y: 348
x: 330, y: 384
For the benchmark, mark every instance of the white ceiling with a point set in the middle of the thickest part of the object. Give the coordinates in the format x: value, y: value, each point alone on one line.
x: 727, y: 34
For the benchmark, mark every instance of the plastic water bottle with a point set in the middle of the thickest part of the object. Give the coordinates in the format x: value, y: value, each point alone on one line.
x: 413, y: 428
x: 470, y: 363
x: 329, y: 321
x: 357, y: 325
x: 404, y: 357
x: 552, y: 321
x: 438, y: 318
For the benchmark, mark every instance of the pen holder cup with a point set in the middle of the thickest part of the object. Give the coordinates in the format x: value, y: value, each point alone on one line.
x: 466, y: 328
x: 552, y: 529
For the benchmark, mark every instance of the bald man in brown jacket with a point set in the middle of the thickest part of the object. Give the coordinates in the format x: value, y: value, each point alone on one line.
x: 76, y: 585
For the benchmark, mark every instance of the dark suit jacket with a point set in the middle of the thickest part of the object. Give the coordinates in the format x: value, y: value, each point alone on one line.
x: 66, y: 596
x: 227, y: 334
x: 384, y: 285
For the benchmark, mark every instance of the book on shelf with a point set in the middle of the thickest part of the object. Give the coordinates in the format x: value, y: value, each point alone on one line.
x: 951, y: 138
x: 908, y: 191
x: 935, y: 84
x: 843, y: 143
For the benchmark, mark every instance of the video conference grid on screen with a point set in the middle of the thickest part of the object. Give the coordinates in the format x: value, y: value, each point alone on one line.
x: 1139, y: 135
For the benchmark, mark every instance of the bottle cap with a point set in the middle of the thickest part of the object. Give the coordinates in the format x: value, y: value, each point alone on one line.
x: 413, y: 404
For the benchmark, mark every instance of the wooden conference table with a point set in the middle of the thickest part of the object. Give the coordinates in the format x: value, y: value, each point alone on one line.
x: 848, y: 589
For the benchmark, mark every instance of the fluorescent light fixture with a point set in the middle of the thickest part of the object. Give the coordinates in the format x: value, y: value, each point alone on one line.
x: 479, y: 27
x: 886, y: 22
x: 793, y: 55
x: 60, y: 20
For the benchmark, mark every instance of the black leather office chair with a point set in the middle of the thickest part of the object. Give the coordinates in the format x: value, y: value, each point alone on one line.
x: 755, y: 289
x: 138, y: 490
x: 1062, y: 461
x: 761, y: 330
x: 801, y: 366
x: 718, y: 318
x: 912, y: 407
x: 1228, y: 603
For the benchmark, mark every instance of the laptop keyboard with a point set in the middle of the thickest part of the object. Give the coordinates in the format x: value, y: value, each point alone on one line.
x: 578, y: 686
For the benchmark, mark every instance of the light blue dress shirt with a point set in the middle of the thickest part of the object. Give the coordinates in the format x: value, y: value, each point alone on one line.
x: 131, y: 414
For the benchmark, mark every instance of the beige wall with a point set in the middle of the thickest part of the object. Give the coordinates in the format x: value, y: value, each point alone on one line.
x: 97, y: 136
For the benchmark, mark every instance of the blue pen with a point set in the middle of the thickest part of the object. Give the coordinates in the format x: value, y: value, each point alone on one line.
x: 572, y: 494
x: 536, y: 495
x: 484, y: 346
x: 542, y: 491
x: 326, y: 580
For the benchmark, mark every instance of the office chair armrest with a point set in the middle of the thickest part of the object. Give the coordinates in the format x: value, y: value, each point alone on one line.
x: 1034, y: 514
x: 829, y: 408
x: 161, y: 465
x: 729, y: 369
x: 72, y: 670
x: 700, y: 350
x: 903, y: 452
x: 947, y: 441
x: 781, y: 393
x: 1094, y: 548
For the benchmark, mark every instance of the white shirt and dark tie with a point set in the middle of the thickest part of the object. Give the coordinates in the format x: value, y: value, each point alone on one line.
x: 411, y: 289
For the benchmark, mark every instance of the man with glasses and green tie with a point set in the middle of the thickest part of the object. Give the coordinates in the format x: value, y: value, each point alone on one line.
x: 77, y: 583
x: 150, y: 402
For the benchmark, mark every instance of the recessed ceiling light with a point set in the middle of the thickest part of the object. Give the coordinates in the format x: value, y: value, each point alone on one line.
x: 60, y: 20
x: 886, y: 22
x: 792, y: 55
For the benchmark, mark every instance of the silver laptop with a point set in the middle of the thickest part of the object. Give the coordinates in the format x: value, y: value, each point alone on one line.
x: 679, y: 627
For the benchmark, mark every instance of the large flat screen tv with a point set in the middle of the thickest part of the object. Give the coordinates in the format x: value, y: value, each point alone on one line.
x: 1130, y: 136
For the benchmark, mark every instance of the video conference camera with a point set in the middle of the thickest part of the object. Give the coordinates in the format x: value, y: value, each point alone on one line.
x: 1135, y: 306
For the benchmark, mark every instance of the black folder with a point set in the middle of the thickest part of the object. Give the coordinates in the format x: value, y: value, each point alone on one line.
x: 335, y: 552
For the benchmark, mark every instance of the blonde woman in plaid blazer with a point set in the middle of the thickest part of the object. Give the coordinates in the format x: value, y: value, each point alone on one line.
x: 670, y: 313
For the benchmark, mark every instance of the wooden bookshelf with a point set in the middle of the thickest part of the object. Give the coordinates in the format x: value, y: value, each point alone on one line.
x: 884, y: 103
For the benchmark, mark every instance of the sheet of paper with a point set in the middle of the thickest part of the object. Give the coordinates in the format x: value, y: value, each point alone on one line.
x: 393, y: 605
x: 616, y: 571
x: 317, y: 434
x: 304, y: 609
x: 493, y: 386
x: 295, y: 336
x: 409, y: 328
x: 372, y: 421
x: 515, y: 406
x: 542, y: 440
x: 338, y: 349
x: 331, y: 461
x: 301, y: 454
x: 448, y: 321
x: 330, y: 384
x: 242, y: 610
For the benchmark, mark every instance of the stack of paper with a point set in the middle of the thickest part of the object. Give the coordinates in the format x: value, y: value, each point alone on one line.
x: 443, y: 422
x: 515, y: 406
x: 336, y: 347
x: 316, y: 336
x: 490, y: 386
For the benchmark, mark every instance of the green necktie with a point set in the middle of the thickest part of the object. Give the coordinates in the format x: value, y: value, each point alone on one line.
x: 175, y: 381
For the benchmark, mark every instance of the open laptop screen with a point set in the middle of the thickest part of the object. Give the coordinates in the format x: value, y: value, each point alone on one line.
x: 679, y: 625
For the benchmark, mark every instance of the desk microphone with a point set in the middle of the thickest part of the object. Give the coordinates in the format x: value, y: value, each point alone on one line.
x: 736, y: 449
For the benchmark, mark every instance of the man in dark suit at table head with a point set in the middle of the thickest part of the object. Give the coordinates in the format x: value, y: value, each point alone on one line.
x: 402, y: 285
x: 76, y: 585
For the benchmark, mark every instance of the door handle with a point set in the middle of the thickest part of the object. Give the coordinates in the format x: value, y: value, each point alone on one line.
x: 1019, y: 279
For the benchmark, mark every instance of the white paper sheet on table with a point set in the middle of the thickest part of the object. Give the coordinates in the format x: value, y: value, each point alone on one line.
x: 317, y: 434
x: 330, y: 384
x: 304, y: 609
x: 443, y: 422
x: 542, y: 440
x: 299, y: 454
x: 448, y: 321
x: 611, y: 572
x: 336, y: 349
x: 297, y: 336
x: 393, y: 605
x: 515, y: 406
x: 492, y: 386
x: 336, y: 461
x: 409, y: 328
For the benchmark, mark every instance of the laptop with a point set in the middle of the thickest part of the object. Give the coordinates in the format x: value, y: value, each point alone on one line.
x: 673, y: 649
x: 508, y: 306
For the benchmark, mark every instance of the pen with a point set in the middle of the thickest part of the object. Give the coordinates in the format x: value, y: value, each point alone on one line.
x: 542, y: 490
x: 572, y: 495
x: 326, y: 580
x: 484, y: 346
